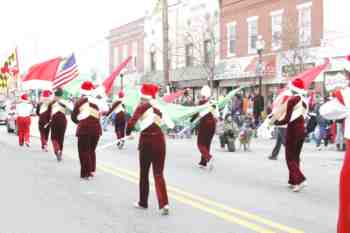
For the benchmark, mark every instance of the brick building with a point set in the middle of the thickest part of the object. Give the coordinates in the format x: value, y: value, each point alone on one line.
x: 291, y: 30
x: 124, y: 41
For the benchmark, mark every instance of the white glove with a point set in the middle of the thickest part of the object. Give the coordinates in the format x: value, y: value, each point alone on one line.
x: 83, y: 115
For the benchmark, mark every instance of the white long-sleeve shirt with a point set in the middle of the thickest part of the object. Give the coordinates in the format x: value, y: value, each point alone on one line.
x: 24, y: 109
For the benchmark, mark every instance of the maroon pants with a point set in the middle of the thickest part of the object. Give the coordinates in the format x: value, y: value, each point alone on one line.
x: 120, y: 131
x: 87, y: 155
x: 205, y: 136
x: 344, y: 194
x: 293, y: 149
x: 152, y: 153
x: 58, y: 129
x: 23, y: 125
x: 44, y: 135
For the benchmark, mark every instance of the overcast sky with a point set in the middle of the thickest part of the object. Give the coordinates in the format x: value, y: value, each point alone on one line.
x: 43, y: 29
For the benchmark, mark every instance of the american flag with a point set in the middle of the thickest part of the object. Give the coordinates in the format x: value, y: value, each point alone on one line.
x: 67, y: 72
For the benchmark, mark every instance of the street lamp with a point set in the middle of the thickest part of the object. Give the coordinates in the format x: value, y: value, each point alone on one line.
x: 122, y: 73
x: 260, y: 45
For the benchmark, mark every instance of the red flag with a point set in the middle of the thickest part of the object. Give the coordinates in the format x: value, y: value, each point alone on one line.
x: 307, y: 76
x: 310, y: 75
x: 173, y: 96
x: 41, y: 76
x: 109, y: 81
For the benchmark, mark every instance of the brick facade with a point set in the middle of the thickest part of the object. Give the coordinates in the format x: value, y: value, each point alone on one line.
x: 127, y: 40
x: 239, y: 11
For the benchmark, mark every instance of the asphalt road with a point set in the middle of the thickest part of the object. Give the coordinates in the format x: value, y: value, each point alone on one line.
x: 244, y: 193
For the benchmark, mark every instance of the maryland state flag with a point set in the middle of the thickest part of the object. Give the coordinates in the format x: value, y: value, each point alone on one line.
x: 9, y: 69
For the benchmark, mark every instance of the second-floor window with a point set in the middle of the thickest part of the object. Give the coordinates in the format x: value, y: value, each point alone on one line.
x: 276, y: 26
x: 207, y: 51
x: 125, y: 52
x: 134, y: 54
x: 189, y: 55
x: 304, y: 11
x: 231, y: 39
x: 252, y: 33
x: 116, y: 57
x: 153, y: 61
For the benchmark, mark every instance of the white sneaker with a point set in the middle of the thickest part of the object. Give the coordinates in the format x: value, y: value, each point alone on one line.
x: 290, y: 186
x: 296, y: 188
x: 303, y: 184
x: 299, y: 187
x: 200, y: 166
x: 210, y: 164
x: 137, y: 206
x: 165, y: 210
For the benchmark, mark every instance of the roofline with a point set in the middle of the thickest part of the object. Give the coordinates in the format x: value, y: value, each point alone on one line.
x: 142, y: 19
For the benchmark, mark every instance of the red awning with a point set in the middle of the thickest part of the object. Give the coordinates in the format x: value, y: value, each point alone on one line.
x: 269, y: 63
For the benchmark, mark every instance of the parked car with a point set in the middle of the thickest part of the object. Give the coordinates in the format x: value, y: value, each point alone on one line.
x: 3, y: 116
x: 11, y: 119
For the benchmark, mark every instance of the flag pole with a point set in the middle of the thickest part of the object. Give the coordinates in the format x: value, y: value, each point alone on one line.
x: 18, y: 73
x: 165, y: 44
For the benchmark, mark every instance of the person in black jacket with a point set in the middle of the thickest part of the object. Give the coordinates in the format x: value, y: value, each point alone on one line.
x: 258, y: 107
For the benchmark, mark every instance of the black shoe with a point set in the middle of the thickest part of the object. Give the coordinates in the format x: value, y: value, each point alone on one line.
x: 272, y: 157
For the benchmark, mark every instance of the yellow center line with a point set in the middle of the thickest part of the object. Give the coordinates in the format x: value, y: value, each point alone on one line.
x: 197, y: 198
x: 198, y: 205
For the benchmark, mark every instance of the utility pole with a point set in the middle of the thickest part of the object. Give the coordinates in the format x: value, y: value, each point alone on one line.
x: 165, y: 44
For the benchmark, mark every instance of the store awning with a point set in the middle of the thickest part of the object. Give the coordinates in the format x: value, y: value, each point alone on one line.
x: 269, y: 65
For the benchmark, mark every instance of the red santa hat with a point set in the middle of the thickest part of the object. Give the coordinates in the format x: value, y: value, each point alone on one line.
x: 297, y: 85
x: 149, y: 91
x: 86, y: 88
x: 46, y: 94
x: 24, y: 97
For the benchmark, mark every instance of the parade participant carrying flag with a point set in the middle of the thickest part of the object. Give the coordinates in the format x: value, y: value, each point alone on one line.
x: 336, y: 109
x: 206, y: 131
x: 294, y: 117
x: 118, y: 109
x: 151, y: 147
x: 24, y: 110
x: 43, y: 110
x: 86, y: 115
x: 58, y: 122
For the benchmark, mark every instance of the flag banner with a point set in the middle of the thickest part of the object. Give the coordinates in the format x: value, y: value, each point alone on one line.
x: 67, y: 71
x: 177, y: 113
x: 9, y: 69
x: 41, y: 76
x: 73, y: 88
x: 109, y: 81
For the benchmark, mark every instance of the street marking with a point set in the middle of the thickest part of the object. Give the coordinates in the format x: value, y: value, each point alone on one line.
x: 198, y: 205
x: 198, y: 202
x: 221, y: 206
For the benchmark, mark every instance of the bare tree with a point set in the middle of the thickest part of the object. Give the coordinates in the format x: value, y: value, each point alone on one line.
x: 199, y: 46
x: 296, y: 44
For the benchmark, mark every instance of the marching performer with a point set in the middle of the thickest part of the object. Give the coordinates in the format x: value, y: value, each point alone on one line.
x: 294, y: 116
x: 43, y: 110
x: 120, y: 118
x: 151, y: 147
x: 338, y: 108
x: 86, y: 115
x: 24, y: 110
x: 58, y: 122
x: 207, y: 126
